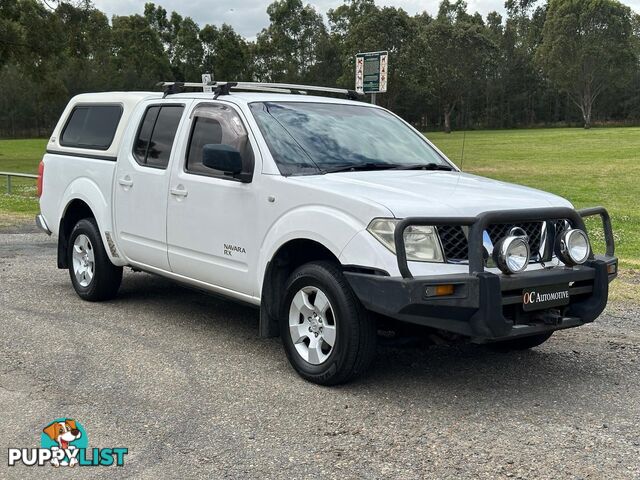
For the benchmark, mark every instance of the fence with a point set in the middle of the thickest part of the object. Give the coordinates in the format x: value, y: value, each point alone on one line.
x: 9, y: 175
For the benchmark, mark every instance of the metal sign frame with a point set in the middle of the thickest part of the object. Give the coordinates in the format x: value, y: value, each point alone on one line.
x: 372, y: 72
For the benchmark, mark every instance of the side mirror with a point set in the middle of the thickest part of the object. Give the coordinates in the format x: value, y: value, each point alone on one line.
x: 226, y: 159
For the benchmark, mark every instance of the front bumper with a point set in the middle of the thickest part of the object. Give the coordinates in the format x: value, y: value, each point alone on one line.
x: 486, y: 306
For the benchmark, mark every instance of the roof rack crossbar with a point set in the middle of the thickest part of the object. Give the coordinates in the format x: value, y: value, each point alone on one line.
x: 300, y: 88
x: 224, y: 88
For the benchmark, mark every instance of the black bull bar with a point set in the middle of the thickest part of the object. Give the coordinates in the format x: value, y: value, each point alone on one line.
x: 477, y: 226
x: 477, y: 307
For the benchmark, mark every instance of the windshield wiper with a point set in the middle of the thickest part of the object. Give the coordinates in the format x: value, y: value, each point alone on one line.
x: 355, y: 167
x: 424, y: 166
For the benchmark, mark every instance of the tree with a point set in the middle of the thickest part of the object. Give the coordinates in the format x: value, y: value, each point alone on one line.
x: 12, y: 41
x: 456, y: 55
x: 86, y: 63
x: 526, y: 67
x: 587, y: 46
x: 31, y: 56
x: 226, y: 53
x: 187, y: 54
x: 157, y: 18
x: 287, y: 49
x: 515, y: 88
x: 347, y: 15
x: 138, y: 53
x: 24, y: 26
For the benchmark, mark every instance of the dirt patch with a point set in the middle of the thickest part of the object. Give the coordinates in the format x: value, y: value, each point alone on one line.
x: 17, y: 223
x: 626, y: 287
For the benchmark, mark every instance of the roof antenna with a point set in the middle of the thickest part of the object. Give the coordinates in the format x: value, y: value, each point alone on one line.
x: 464, y: 136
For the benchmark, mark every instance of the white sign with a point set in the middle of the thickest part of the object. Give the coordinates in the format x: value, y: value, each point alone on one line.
x: 206, y: 78
x: 372, y: 72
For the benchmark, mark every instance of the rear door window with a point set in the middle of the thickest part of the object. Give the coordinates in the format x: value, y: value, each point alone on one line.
x: 91, y: 126
x: 144, y: 134
x: 156, y: 134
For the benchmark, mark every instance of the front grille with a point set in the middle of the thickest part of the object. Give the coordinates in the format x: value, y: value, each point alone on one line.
x: 560, y: 225
x: 533, y: 231
x: 456, y: 247
x: 454, y: 242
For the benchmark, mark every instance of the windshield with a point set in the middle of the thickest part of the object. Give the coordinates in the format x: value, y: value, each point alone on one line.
x: 312, y: 138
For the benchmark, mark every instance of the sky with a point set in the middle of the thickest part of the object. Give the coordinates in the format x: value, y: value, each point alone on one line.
x: 248, y: 17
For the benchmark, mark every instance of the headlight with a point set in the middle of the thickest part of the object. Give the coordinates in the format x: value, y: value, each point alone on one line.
x: 572, y: 247
x: 512, y: 254
x: 420, y: 242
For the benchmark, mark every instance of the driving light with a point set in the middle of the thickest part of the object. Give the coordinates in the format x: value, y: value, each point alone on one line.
x: 421, y: 243
x: 572, y: 247
x: 512, y: 254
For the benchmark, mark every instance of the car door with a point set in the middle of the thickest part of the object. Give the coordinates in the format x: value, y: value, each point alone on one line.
x: 142, y: 185
x: 212, y: 217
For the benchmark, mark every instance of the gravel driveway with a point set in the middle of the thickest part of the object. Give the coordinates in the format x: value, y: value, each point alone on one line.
x: 182, y: 380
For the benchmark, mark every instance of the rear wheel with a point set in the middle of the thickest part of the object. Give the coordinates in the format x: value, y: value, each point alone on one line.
x: 327, y: 334
x: 523, y: 343
x: 93, y: 276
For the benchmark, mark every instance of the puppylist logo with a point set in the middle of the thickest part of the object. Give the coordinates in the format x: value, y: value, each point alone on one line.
x: 64, y: 443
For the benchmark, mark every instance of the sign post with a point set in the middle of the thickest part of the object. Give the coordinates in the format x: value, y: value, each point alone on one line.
x: 371, y: 73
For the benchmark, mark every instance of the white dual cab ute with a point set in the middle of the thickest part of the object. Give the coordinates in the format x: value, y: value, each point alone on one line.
x: 331, y: 215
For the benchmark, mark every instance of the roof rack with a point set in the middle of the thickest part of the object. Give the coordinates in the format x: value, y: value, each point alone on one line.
x: 224, y: 88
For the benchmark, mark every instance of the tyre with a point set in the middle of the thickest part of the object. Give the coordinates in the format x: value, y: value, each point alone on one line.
x: 93, y: 276
x: 523, y: 343
x: 327, y: 334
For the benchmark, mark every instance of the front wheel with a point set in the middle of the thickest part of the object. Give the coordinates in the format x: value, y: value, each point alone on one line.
x: 93, y: 276
x: 327, y: 334
x: 523, y: 343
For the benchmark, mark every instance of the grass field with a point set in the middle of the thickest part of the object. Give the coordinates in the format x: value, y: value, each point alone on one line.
x: 20, y: 156
x: 595, y: 167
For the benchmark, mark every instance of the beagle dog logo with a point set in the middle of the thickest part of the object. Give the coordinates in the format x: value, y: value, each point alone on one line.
x: 64, y: 443
x: 66, y: 437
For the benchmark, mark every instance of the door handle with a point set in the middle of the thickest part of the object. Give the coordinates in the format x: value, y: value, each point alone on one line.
x: 179, y: 191
x: 126, y: 181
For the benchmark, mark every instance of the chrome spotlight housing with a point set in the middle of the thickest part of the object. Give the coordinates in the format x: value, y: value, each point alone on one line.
x: 512, y: 254
x: 572, y: 247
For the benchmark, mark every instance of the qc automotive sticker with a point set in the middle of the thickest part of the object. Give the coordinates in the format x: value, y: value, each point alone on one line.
x: 545, y: 297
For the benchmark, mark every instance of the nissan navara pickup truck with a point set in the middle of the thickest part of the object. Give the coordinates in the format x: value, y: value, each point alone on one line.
x: 329, y: 214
